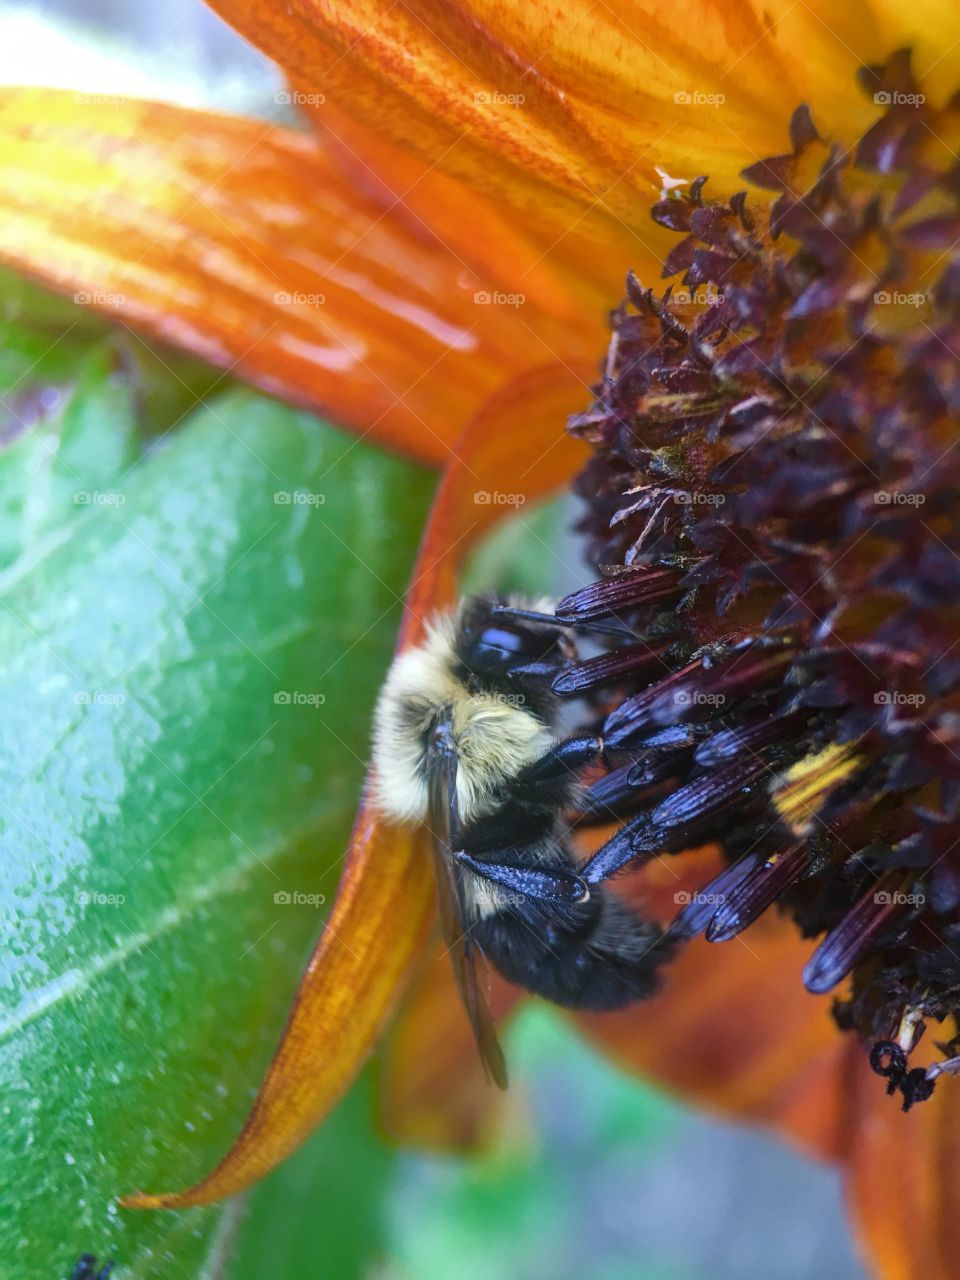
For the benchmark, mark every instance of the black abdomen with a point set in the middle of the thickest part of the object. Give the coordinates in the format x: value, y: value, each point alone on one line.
x: 596, y: 955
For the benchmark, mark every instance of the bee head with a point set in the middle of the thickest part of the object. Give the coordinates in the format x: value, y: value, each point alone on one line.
x: 490, y: 645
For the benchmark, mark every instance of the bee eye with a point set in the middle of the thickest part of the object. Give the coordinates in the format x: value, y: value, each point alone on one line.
x: 495, y: 647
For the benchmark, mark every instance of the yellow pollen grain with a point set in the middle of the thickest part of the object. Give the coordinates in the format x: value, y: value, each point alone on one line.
x: 804, y: 788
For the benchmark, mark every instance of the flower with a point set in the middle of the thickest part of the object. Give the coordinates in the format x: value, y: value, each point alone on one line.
x: 775, y: 454
x: 515, y: 151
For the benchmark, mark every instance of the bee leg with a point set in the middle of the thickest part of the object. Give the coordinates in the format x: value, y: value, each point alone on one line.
x: 549, y: 780
x: 531, y: 882
x: 637, y: 841
x: 560, y: 762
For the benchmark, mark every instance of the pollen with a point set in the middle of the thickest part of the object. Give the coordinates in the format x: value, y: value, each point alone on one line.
x: 806, y: 786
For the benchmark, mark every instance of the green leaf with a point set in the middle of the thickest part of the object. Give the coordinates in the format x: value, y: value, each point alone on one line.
x: 186, y: 680
x: 45, y: 339
x: 71, y: 457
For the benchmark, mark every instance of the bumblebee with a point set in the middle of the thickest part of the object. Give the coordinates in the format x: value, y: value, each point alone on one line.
x: 467, y: 741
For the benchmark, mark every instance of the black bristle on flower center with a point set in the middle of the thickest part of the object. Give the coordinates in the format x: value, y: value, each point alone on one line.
x: 772, y: 505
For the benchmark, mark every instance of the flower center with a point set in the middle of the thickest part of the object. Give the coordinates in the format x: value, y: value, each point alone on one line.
x: 772, y: 505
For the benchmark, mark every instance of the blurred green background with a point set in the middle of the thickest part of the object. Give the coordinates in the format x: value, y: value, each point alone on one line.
x: 144, y: 756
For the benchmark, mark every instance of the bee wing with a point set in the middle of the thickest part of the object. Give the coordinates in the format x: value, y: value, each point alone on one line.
x: 455, y: 919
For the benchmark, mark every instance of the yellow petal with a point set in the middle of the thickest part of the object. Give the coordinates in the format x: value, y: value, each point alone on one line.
x: 249, y: 245
x: 931, y: 28
x: 566, y: 111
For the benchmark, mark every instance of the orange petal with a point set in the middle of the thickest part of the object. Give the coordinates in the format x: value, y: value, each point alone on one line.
x: 903, y: 1187
x: 565, y: 111
x: 434, y: 1092
x: 246, y: 243
x: 348, y: 990
x: 515, y: 448
x: 733, y: 1026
